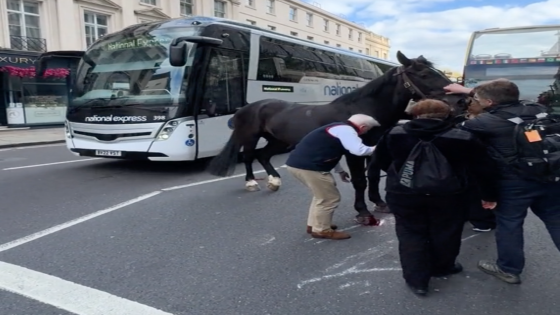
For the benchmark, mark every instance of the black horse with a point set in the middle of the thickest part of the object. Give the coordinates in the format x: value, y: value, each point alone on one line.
x: 283, y: 124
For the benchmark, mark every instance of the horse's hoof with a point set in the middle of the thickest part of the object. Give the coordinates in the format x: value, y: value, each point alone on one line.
x: 272, y: 187
x: 368, y: 220
x: 252, y: 185
x: 274, y: 183
x: 382, y: 208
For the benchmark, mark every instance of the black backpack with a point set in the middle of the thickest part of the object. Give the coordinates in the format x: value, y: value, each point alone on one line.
x: 427, y: 171
x: 537, y: 145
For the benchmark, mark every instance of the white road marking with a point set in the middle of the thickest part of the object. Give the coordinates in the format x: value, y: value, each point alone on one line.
x: 349, y: 271
x: 32, y: 147
x: 353, y: 283
x: 360, y: 259
x: 270, y: 240
x: 54, y: 229
x: 70, y: 296
x: 206, y: 182
x: 214, y: 180
x: 67, y: 295
x: 469, y: 237
x: 47, y: 164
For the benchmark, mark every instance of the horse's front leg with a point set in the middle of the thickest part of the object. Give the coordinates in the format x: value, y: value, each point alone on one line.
x: 273, y: 148
x: 249, y: 152
x: 356, y: 166
x: 373, y: 178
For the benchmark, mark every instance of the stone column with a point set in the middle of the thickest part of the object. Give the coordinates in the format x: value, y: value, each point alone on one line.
x: 69, y: 26
x: 127, y: 13
x: 234, y: 11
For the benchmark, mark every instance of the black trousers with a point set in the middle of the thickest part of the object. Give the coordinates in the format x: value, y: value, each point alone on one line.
x: 429, y: 232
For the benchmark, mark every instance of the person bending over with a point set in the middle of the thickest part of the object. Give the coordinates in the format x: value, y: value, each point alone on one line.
x: 312, y: 161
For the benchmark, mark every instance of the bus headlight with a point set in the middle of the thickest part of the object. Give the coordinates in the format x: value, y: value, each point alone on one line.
x: 167, y: 130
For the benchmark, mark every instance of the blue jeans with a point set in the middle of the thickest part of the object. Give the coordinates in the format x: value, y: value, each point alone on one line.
x: 516, y: 197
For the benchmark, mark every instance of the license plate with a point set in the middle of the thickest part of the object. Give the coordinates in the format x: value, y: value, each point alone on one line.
x: 108, y: 153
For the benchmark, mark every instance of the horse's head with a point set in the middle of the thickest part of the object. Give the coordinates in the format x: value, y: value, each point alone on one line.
x: 421, y: 80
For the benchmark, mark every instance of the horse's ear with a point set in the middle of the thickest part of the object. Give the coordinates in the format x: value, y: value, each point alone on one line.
x: 422, y: 59
x: 403, y: 59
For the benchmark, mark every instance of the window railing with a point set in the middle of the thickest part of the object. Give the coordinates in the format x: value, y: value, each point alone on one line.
x: 28, y: 43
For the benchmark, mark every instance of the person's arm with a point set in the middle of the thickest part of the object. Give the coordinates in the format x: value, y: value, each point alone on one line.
x: 350, y: 140
x: 484, y: 169
x: 455, y: 88
x: 381, y: 158
x: 476, y: 125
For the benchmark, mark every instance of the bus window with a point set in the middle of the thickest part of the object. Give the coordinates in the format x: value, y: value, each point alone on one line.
x: 224, y: 88
x: 349, y: 68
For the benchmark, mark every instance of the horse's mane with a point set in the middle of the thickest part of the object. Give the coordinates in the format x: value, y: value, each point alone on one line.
x: 376, y: 84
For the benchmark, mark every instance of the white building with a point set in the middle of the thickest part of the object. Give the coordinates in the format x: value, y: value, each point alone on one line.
x: 29, y: 27
x: 40, y: 25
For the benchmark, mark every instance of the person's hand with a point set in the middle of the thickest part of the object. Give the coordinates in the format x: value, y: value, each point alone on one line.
x: 455, y: 88
x: 490, y: 205
x: 345, y: 177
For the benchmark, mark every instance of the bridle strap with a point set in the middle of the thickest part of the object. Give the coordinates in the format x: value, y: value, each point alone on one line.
x: 408, y: 84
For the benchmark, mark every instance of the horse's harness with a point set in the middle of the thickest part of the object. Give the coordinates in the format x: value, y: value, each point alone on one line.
x: 401, y: 71
x: 414, y: 90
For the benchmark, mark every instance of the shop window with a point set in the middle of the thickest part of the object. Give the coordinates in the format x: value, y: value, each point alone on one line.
x: 36, y: 100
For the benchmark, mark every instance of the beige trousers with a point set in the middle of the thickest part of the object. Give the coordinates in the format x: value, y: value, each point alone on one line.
x: 326, y: 197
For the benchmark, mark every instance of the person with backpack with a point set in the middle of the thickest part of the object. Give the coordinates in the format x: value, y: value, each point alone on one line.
x: 428, y: 161
x: 481, y: 219
x: 523, y: 138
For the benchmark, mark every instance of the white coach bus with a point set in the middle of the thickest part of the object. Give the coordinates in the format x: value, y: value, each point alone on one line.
x: 127, y: 101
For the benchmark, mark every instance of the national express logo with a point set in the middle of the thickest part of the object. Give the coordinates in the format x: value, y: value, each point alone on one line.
x: 337, y: 90
x: 112, y: 118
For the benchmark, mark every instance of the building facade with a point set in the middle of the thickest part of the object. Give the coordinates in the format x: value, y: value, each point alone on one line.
x: 30, y: 27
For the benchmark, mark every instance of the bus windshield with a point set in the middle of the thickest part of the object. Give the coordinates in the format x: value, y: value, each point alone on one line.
x: 132, y: 67
x: 528, y: 57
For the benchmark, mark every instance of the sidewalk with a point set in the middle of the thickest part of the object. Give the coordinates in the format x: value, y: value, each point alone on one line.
x: 27, y: 137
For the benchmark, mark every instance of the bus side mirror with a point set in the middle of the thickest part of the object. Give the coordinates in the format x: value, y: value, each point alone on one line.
x: 178, y: 54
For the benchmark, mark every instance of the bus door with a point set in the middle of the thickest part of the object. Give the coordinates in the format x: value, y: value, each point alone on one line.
x: 223, y: 93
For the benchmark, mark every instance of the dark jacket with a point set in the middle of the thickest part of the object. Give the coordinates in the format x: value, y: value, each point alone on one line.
x: 497, y: 133
x: 318, y: 150
x: 464, y: 152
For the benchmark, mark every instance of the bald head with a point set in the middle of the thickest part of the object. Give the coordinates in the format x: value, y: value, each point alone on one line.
x: 363, y: 122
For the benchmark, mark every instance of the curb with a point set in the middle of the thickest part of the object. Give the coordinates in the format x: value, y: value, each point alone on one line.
x: 30, y: 144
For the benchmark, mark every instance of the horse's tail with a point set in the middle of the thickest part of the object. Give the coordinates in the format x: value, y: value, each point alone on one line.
x: 224, y: 163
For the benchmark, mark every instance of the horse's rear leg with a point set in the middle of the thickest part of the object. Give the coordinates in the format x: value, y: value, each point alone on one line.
x: 273, y: 148
x: 249, y: 153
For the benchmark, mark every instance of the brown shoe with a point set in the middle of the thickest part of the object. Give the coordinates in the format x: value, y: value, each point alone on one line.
x: 309, y: 229
x: 331, y: 234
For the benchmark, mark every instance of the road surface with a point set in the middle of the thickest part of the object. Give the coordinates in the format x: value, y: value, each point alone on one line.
x: 102, y: 237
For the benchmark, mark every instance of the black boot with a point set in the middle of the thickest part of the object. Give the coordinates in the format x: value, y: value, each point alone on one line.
x: 454, y: 270
x: 418, y: 290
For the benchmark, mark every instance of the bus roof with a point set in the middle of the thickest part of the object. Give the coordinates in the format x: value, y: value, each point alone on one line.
x: 205, y: 21
x: 517, y: 28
